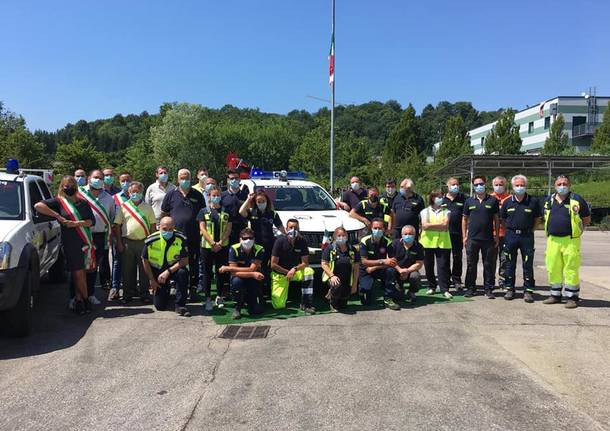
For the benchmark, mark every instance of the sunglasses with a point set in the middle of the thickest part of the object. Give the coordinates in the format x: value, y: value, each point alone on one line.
x: 246, y: 238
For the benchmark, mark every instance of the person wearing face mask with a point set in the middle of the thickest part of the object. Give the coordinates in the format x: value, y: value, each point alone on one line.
x: 454, y: 202
x: 372, y: 208
x: 290, y: 267
x: 109, y: 186
x: 406, y: 208
x: 81, y: 178
x: 183, y: 205
x: 202, y: 176
x: 565, y: 216
x: 437, y: 243
x: 340, y: 266
x: 480, y: 227
x: 258, y: 210
x: 375, y: 265
x: 520, y: 215
x: 165, y: 259
x: 409, y: 255
x: 387, y: 197
x: 121, y: 196
x: 501, y: 194
x: 351, y: 198
x: 215, y: 226
x: 209, y: 184
x: 76, y: 219
x: 155, y: 193
x: 103, y: 208
x: 133, y: 223
x: 232, y: 200
x: 245, y: 260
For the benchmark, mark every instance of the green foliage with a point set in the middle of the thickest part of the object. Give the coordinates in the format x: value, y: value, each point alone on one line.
x: 595, y: 193
x: 78, y: 154
x: 17, y: 142
x: 402, y: 154
x: 504, y: 137
x: 456, y: 141
x: 557, y: 141
x: 601, y: 140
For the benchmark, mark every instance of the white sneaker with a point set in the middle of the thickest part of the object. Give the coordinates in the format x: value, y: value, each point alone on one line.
x: 220, y: 302
x: 448, y: 295
x: 93, y: 300
x: 71, y: 303
x: 208, y: 305
x: 430, y: 292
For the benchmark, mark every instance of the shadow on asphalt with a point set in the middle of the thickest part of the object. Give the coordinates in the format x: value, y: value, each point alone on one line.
x: 55, y: 327
x: 594, y: 303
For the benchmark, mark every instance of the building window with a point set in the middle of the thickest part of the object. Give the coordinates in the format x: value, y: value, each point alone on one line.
x: 547, y: 122
x: 530, y: 127
x: 482, y: 141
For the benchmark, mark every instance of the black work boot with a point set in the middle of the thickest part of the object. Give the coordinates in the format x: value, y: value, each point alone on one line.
x: 510, y: 294
x: 528, y: 297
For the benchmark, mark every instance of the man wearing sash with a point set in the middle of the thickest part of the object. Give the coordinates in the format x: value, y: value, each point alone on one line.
x: 102, y: 205
x: 109, y: 186
x: 133, y: 223
x: 119, y: 197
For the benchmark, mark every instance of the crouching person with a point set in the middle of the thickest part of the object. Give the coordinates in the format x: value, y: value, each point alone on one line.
x: 245, y: 260
x: 290, y: 266
x: 165, y: 258
x: 340, y: 263
x: 375, y: 265
x: 409, y: 255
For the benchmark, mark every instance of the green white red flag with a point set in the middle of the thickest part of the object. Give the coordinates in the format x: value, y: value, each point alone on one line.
x: 331, y: 61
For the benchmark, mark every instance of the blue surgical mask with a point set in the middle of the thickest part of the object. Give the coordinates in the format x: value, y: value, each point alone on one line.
x: 185, y: 184
x: 438, y: 201
x: 261, y: 206
x: 215, y: 199
x: 108, y: 179
x: 455, y: 188
x: 499, y: 189
x: 377, y: 233
x: 167, y: 234
x: 408, y: 239
x: 562, y: 190
x: 208, y: 187
x: 81, y: 181
x: 292, y: 233
x: 96, y: 183
x: 135, y: 196
x: 519, y: 190
x: 403, y: 191
x: 234, y: 183
x: 355, y: 186
x: 125, y: 185
x: 341, y: 240
x: 163, y: 178
x: 479, y: 188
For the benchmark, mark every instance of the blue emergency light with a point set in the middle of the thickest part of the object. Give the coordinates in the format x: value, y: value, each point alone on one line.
x: 259, y: 174
x: 12, y: 166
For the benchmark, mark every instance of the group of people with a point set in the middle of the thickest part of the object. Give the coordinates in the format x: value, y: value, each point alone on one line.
x: 183, y: 236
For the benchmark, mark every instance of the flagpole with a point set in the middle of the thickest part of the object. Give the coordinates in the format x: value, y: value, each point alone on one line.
x: 332, y: 112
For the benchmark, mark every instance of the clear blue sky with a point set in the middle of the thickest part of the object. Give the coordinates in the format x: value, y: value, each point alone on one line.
x: 63, y: 61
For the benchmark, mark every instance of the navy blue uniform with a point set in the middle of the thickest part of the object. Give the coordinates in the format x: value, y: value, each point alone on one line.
x: 481, y: 216
x: 405, y: 257
x: 231, y: 203
x: 519, y: 219
x: 456, y: 206
x: 559, y: 221
x: 246, y: 290
x: 375, y: 250
x: 353, y: 198
x: 406, y: 211
x: 369, y: 212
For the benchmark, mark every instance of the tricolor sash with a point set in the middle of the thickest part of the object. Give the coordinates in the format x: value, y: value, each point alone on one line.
x: 83, y: 232
x: 100, y: 210
x: 119, y: 198
x: 135, y: 212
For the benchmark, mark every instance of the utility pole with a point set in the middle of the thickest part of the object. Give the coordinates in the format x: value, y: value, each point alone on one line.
x: 331, y: 80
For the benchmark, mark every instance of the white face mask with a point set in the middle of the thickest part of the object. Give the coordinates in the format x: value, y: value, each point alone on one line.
x: 355, y: 186
x: 247, y: 243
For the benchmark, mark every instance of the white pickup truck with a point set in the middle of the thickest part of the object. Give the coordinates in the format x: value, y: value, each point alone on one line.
x: 30, y: 248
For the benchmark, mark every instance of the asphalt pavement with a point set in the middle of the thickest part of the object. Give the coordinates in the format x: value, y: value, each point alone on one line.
x: 484, y: 364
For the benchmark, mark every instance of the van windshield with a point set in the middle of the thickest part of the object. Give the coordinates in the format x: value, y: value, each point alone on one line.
x: 298, y: 198
x: 11, y: 200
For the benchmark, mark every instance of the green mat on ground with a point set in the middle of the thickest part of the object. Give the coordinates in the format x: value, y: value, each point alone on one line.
x: 222, y: 316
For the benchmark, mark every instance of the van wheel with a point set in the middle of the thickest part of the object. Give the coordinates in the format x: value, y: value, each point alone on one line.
x: 57, y: 273
x: 18, y: 321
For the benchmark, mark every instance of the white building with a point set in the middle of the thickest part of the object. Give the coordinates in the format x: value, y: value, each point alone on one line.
x: 582, y: 115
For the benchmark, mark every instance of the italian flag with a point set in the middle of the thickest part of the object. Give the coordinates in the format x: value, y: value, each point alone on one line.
x: 331, y: 61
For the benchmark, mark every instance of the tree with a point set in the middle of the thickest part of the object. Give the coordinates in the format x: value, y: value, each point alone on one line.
x: 601, y: 140
x: 456, y: 141
x: 557, y: 141
x: 79, y: 154
x: 17, y: 142
x: 504, y: 137
x: 401, y: 155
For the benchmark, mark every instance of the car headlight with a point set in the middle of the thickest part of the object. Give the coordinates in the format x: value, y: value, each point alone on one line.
x: 5, y: 255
